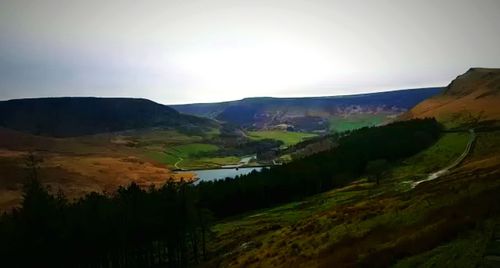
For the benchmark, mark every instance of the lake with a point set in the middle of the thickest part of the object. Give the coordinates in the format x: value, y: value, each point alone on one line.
x: 222, y: 173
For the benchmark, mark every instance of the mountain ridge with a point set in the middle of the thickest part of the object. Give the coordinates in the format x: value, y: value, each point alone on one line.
x: 309, y: 113
x: 471, y: 97
x: 77, y: 116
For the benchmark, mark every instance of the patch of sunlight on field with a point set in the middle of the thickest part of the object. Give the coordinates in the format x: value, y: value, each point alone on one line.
x: 341, y: 124
x: 287, y: 137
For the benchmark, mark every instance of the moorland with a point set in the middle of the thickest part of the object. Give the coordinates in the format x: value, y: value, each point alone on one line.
x: 418, y: 188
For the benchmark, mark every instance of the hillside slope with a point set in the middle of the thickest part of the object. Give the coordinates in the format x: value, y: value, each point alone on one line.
x: 472, y: 97
x: 66, y: 117
x: 314, y: 113
x: 446, y: 222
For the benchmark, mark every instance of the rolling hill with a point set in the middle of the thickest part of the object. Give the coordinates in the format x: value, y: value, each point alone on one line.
x: 472, y: 97
x: 92, y: 144
x: 336, y: 113
x: 77, y: 116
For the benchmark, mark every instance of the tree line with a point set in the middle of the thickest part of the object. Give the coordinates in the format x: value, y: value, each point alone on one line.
x: 358, y: 153
x: 169, y: 226
x: 162, y: 227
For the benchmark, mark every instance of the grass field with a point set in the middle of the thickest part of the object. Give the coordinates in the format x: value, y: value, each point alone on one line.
x: 438, y: 156
x: 170, y: 159
x: 192, y: 149
x: 208, y: 162
x: 287, y: 137
x: 341, y: 124
x: 162, y: 157
x: 190, y: 156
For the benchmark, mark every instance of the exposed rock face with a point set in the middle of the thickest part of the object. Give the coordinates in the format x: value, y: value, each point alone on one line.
x: 471, y: 98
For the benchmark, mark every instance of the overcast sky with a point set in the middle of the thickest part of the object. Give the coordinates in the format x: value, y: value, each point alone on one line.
x: 202, y: 51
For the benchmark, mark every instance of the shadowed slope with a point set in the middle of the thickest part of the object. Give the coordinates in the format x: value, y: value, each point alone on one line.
x: 311, y: 113
x: 66, y: 117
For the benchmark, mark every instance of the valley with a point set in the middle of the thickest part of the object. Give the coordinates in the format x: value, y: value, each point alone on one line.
x: 249, y: 134
x: 103, y: 162
x: 356, y: 184
x: 102, y: 153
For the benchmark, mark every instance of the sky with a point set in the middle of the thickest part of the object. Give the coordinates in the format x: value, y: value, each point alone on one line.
x: 179, y: 51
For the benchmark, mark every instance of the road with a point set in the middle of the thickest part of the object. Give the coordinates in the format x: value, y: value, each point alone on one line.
x: 178, y: 162
x: 455, y: 163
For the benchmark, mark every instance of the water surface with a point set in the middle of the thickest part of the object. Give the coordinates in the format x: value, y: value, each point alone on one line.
x: 222, y: 173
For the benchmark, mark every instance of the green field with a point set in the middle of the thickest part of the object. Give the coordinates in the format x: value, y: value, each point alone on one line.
x: 162, y: 157
x: 341, y: 124
x: 169, y: 147
x: 208, y: 162
x: 438, y: 156
x: 287, y: 137
x: 190, y: 156
x: 191, y: 150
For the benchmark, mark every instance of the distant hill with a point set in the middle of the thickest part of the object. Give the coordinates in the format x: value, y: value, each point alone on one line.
x: 76, y: 116
x: 471, y: 98
x: 312, y: 113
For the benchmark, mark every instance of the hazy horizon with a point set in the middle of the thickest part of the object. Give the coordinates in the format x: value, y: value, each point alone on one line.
x: 230, y: 100
x: 210, y: 51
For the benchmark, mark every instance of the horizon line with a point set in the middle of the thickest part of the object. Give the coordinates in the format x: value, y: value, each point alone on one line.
x: 233, y: 100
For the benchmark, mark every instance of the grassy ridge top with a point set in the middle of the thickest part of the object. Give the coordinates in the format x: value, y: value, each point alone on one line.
x: 66, y: 117
x: 471, y: 99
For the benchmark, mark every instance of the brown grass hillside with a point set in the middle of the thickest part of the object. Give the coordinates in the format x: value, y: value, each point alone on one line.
x: 76, y: 166
x: 471, y: 97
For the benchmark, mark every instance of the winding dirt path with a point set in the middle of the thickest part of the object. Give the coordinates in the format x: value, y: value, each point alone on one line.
x: 455, y: 163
